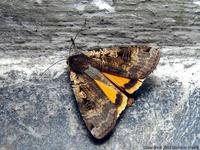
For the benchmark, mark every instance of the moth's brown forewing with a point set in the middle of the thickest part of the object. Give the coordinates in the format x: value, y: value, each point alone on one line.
x: 95, y: 76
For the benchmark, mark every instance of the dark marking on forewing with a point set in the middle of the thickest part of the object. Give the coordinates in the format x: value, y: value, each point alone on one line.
x: 130, y: 84
x: 88, y: 104
x: 112, y: 70
x: 118, y: 100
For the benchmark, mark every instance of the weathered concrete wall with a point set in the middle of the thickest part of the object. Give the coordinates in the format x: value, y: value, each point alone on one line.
x: 40, y: 112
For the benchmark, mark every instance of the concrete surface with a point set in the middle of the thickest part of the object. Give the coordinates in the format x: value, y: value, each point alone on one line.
x: 40, y: 112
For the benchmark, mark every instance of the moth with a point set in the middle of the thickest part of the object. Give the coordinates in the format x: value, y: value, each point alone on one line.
x: 102, y: 79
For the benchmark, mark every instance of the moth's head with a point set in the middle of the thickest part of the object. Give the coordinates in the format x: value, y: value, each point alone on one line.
x: 78, y: 63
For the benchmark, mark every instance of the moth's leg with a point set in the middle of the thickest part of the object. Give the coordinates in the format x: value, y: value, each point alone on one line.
x: 130, y: 102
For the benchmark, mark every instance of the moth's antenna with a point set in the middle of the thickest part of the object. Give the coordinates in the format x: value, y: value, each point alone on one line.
x: 73, y: 44
x: 52, y: 65
x: 73, y: 39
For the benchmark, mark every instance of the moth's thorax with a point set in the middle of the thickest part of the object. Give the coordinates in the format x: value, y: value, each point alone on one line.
x: 78, y: 63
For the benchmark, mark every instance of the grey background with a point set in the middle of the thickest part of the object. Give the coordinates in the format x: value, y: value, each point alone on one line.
x: 40, y: 112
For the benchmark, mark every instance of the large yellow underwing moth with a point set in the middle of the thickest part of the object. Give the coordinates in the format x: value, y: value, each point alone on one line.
x: 101, y: 80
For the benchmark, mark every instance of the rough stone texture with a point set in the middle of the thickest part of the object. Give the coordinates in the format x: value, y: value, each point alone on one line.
x: 40, y: 112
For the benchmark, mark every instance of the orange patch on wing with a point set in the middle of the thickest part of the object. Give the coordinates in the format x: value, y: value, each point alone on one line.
x: 121, y: 82
x: 113, y: 96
